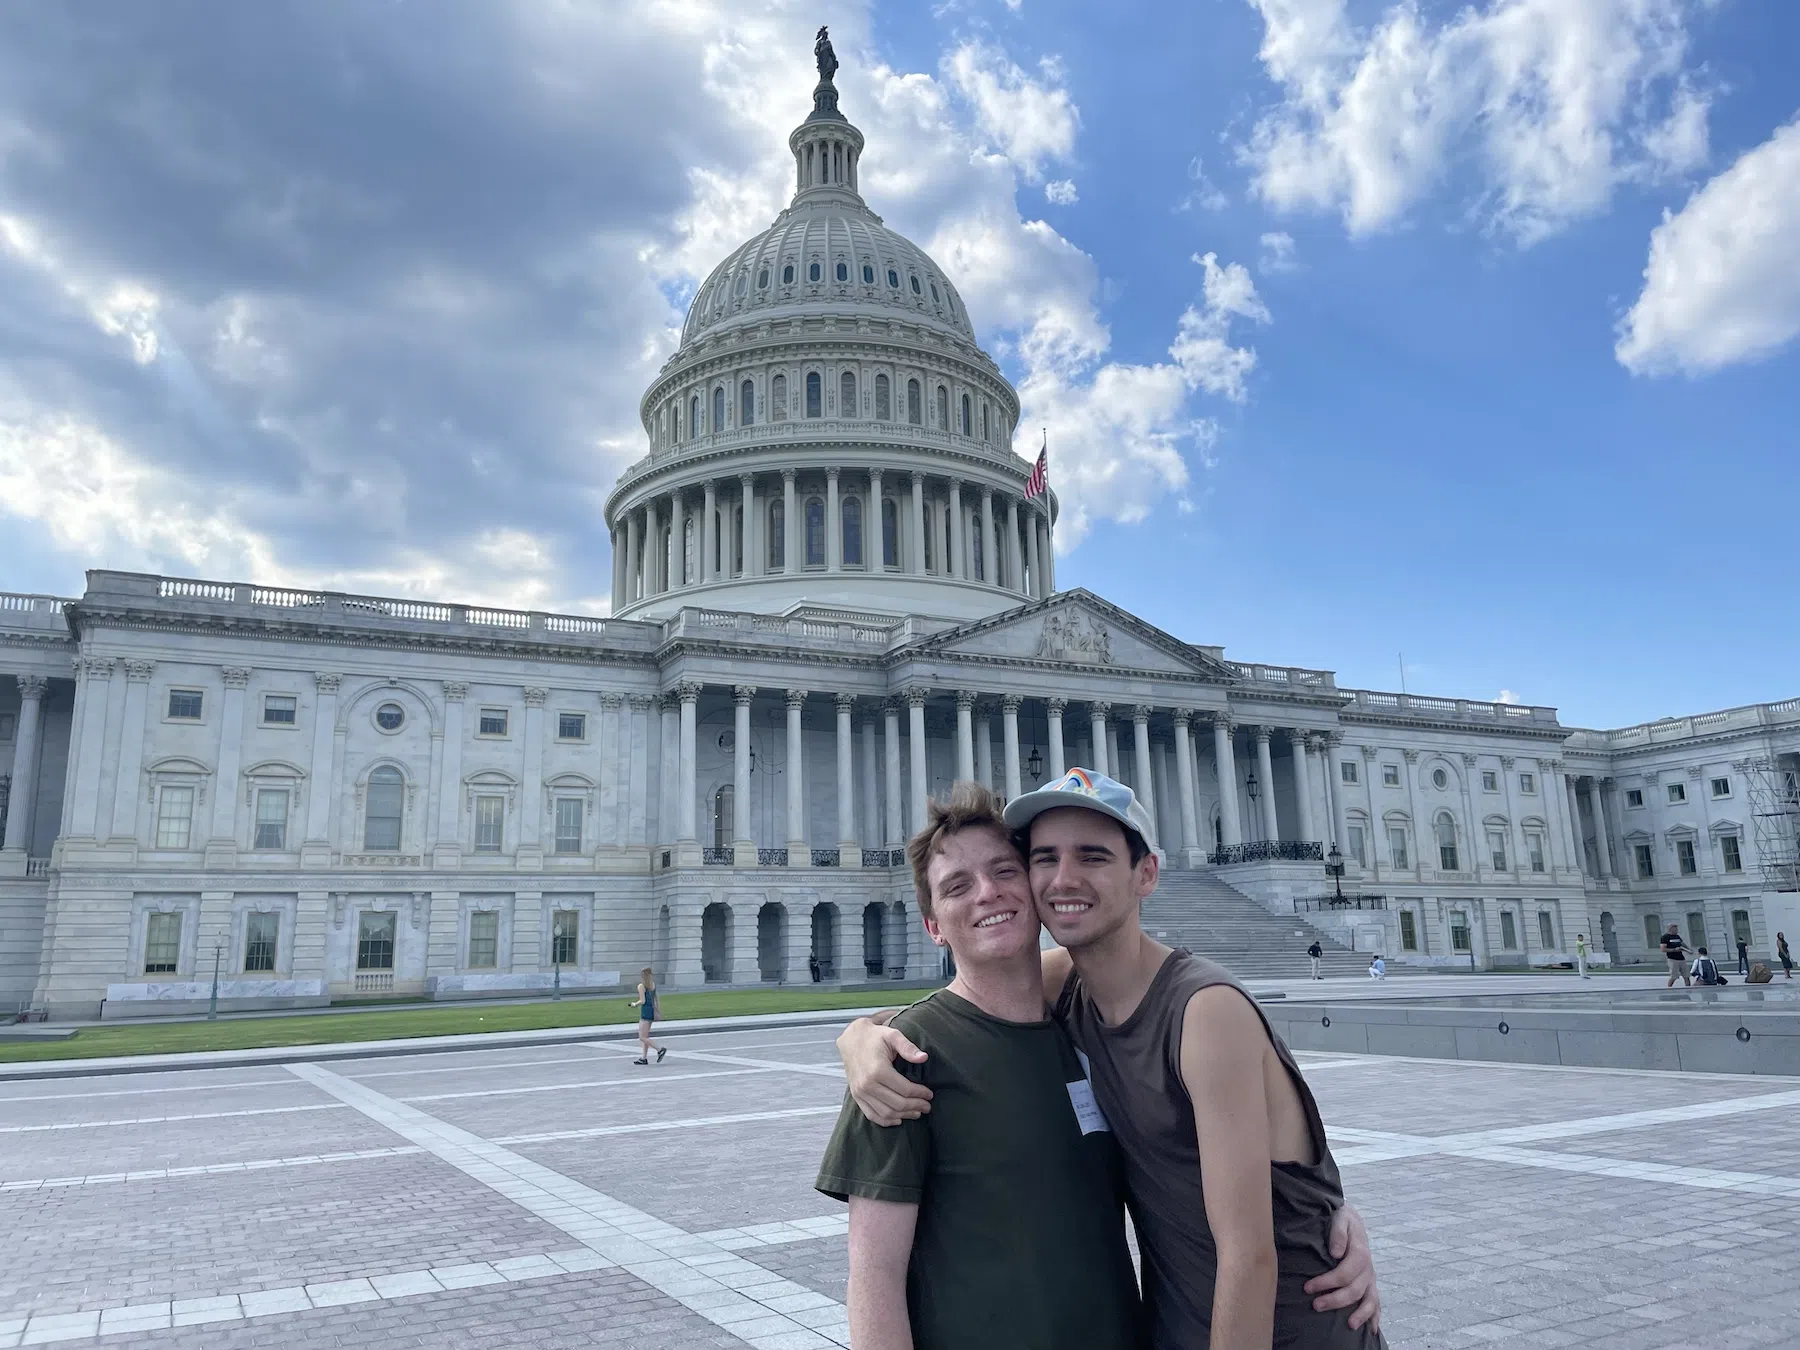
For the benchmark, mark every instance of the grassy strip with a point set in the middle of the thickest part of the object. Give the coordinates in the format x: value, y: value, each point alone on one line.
x: 261, y: 1033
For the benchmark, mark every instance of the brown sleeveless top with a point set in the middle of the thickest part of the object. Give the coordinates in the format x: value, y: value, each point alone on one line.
x: 1136, y: 1074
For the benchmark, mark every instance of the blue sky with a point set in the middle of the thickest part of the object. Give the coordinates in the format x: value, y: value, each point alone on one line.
x: 1493, y: 362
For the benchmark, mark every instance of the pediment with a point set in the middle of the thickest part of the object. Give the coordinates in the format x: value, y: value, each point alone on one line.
x: 1075, y: 629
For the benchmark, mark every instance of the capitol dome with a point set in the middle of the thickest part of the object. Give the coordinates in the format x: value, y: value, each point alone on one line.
x: 828, y: 376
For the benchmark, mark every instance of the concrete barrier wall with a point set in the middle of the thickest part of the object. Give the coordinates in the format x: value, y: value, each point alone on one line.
x: 1725, y: 1040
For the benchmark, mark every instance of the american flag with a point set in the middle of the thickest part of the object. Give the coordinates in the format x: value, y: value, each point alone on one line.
x: 1036, y: 485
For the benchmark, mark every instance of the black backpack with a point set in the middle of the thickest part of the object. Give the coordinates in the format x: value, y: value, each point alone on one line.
x: 1709, y: 973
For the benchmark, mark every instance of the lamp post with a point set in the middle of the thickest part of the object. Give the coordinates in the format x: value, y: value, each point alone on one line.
x: 212, y: 1006
x: 1035, y: 765
x: 1334, y: 868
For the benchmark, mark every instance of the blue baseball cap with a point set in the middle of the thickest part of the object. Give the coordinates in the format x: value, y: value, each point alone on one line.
x: 1092, y: 792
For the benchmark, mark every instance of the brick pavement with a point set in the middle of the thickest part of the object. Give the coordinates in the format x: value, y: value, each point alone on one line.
x: 656, y: 1228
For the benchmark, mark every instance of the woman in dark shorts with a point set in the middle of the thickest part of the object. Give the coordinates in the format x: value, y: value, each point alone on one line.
x: 645, y: 1002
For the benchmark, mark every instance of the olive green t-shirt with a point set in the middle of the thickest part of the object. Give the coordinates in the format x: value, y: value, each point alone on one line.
x: 1020, y: 1240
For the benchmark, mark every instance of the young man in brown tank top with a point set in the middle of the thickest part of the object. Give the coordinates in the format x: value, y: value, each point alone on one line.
x: 1195, y: 1084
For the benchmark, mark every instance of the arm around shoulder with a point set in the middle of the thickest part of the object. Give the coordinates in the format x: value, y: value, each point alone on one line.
x: 868, y: 1049
x: 1057, y: 964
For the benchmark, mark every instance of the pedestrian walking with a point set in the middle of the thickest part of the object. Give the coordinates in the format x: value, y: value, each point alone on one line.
x: 1784, y: 955
x: 645, y: 1003
x: 1675, y: 953
x: 1581, y: 956
x: 1316, y: 952
x: 1377, y: 967
x: 1743, y: 957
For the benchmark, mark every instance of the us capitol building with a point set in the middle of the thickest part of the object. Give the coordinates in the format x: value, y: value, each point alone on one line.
x: 832, y: 594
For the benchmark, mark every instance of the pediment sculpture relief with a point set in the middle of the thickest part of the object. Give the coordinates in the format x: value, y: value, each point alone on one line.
x: 1075, y: 638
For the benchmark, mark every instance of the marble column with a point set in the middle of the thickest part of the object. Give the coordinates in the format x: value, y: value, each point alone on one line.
x: 959, y: 555
x: 617, y: 538
x: 1015, y: 567
x: 875, y: 526
x: 890, y: 732
x: 685, y: 754
x: 1557, y: 813
x: 1602, y: 853
x: 965, y: 735
x: 834, y: 524
x: 1009, y: 735
x: 1053, y: 714
x: 131, y: 753
x: 1140, y: 747
x: 846, y: 780
x: 1184, y: 770
x: 871, y: 786
x: 917, y: 561
x: 653, y: 550
x: 1271, y: 830
x: 743, y: 534
x: 915, y: 734
x: 709, y: 536
x: 531, y: 791
x: 678, y: 522
x: 1097, y: 716
x: 1225, y: 766
x: 743, y: 834
x: 449, y: 812
x: 1036, y: 587
x: 990, y: 540
x: 632, y: 547
x: 1334, y: 783
x: 1302, y: 785
x: 321, y: 781
x: 793, y: 531
x: 799, y: 854
x: 88, y: 744
x: 25, y: 765
x: 984, y: 750
x: 230, y: 755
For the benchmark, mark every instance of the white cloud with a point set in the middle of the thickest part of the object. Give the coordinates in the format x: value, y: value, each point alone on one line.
x: 1061, y: 192
x: 1723, y: 280
x: 1205, y: 194
x: 1277, y: 253
x: 1507, y: 696
x: 1554, y: 103
x: 1029, y: 120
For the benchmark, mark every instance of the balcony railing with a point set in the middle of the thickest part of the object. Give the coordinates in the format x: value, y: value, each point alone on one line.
x: 715, y: 857
x: 827, y: 857
x: 37, y: 867
x: 374, y: 981
x: 1268, y: 850
x: 771, y: 857
x: 1325, y: 904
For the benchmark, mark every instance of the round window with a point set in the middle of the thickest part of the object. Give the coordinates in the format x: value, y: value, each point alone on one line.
x: 843, y: 271
x: 1439, y: 779
x: 915, y: 285
x: 893, y: 278
x: 868, y: 275
x: 390, y: 717
x: 787, y: 275
x: 812, y: 272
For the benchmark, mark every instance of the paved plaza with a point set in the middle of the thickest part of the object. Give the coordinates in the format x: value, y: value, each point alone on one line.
x: 558, y: 1195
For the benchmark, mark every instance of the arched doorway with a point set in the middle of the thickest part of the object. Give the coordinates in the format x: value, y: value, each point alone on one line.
x: 724, y: 816
x: 1609, y: 938
x: 896, y: 964
x: 874, y: 939
x: 823, y: 961
x: 715, y: 943
x: 771, y: 943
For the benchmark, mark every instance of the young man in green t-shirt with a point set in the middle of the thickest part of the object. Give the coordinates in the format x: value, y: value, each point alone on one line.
x: 996, y: 1220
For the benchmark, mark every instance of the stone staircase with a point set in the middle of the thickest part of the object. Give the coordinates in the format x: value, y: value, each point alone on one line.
x: 1199, y: 911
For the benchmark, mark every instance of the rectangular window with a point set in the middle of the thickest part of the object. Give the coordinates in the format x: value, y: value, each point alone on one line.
x: 1527, y: 783
x: 490, y: 823
x: 571, y: 726
x: 1409, y: 931
x: 1347, y: 769
x: 184, y: 704
x: 1728, y: 852
x: 1397, y: 849
x: 484, y: 939
x: 260, y: 933
x: 493, y: 722
x: 1534, y: 850
x: 1634, y: 796
x: 1357, y: 848
x: 1509, y: 933
x: 565, y: 937
x: 162, y: 944
x: 1677, y: 793
x: 1497, y: 849
x: 1546, y: 930
x: 174, y: 817
x: 375, y: 940
x: 1490, y: 781
x: 271, y: 818
x: 1684, y: 857
x: 1740, y: 925
x: 9, y: 726
x: 1653, y: 932
x: 1390, y: 775
x: 1459, y: 931
x: 280, y: 710
x: 1721, y: 787
x: 1646, y: 864
x: 568, y: 824
x: 1696, y: 926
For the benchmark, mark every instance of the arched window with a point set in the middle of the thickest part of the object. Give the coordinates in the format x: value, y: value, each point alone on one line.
x: 737, y: 540
x: 813, y: 272
x: 693, y: 417
x: 868, y: 275
x: 787, y: 275
x: 853, y: 550
x: 976, y: 536
x: 690, y: 565
x: 912, y: 403
x: 843, y: 271
x: 386, y: 804
x: 930, y: 540
x: 968, y: 423
x: 718, y: 422
x: 884, y: 407
x: 893, y: 278
x: 762, y: 280
x: 1446, y: 842
x: 984, y: 422
x: 890, y: 532
x: 675, y: 426
x: 743, y: 285
x: 943, y: 408
x: 915, y: 286
x: 746, y: 403
x: 778, y: 398
x: 724, y: 824
x: 813, y: 394
x: 847, y: 394
x: 777, y: 533
x: 815, y: 532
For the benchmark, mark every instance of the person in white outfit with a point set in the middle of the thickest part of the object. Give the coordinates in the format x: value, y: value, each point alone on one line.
x: 1581, y: 955
x: 1377, y: 968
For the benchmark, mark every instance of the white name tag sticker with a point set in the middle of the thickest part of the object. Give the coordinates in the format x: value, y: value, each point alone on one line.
x: 1087, y: 1111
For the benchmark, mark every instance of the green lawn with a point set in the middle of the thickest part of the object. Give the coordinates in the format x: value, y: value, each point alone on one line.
x: 259, y: 1033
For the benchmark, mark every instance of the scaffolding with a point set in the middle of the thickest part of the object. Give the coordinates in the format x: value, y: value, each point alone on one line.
x: 1772, y: 788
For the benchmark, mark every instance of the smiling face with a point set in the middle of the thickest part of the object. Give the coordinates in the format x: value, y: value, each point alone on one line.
x: 980, y: 899
x: 1082, y: 878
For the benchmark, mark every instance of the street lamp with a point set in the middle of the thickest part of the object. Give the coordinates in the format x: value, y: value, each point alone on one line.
x: 1250, y: 784
x: 1035, y: 765
x: 212, y: 1006
x: 1334, y: 868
